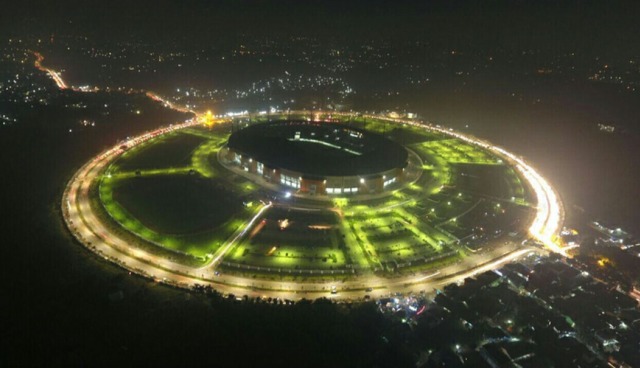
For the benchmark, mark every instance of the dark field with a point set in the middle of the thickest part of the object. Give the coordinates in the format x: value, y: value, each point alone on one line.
x: 172, y: 151
x: 495, y: 181
x: 176, y: 204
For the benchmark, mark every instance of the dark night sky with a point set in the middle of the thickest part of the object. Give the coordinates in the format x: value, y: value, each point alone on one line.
x: 591, y: 24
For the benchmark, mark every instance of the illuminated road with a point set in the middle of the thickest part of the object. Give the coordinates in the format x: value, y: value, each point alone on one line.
x: 61, y: 84
x: 156, y: 97
x: 88, y: 229
x: 52, y: 73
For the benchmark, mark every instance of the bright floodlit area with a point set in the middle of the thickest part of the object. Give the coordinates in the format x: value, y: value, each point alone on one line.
x: 180, y: 196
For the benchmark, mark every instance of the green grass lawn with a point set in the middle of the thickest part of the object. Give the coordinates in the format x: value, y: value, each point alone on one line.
x: 310, y: 240
x: 186, y: 213
x: 174, y: 193
x: 398, y: 236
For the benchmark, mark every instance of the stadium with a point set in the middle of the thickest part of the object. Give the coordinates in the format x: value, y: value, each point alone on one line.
x: 317, y: 158
x: 303, y: 204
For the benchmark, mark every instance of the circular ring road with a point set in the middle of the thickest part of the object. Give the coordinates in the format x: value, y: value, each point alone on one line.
x: 88, y: 229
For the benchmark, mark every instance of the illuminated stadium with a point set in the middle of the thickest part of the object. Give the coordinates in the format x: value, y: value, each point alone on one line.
x: 318, y: 158
x: 310, y: 204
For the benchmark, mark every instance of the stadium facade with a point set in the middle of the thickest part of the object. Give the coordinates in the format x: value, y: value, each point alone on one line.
x: 317, y: 158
